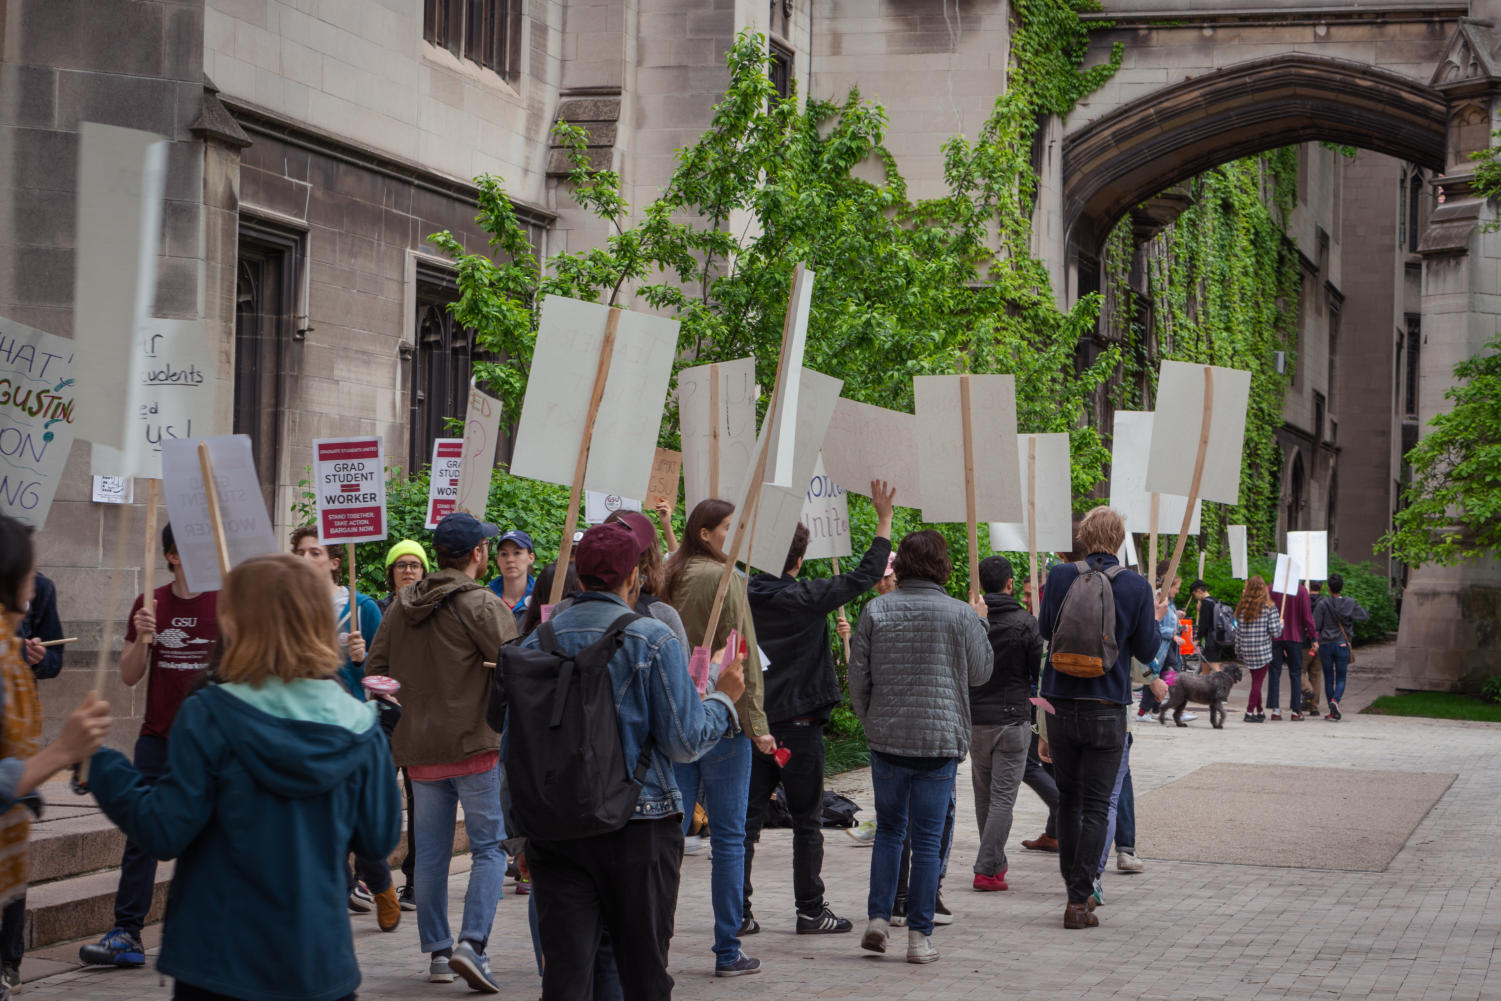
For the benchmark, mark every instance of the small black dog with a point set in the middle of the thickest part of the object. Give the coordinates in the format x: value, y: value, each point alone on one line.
x: 1212, y: 688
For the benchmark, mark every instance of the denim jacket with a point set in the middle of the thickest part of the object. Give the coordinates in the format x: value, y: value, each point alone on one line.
x: 653, y: 695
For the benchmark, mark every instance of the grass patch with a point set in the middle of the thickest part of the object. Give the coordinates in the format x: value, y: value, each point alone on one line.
x: 1437, y: 705
x: 844, y: 753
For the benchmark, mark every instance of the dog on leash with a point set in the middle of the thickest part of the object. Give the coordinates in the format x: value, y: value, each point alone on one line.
x: 1211, y: 688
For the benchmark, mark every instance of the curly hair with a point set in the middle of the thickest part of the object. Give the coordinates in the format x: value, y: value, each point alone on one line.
x: 1253, y: 599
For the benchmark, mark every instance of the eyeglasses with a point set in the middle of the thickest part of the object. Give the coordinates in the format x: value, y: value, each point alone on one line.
x: 408, y: 567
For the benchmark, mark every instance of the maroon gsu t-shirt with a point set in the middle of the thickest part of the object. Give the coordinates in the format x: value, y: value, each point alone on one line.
x: 186, y: 631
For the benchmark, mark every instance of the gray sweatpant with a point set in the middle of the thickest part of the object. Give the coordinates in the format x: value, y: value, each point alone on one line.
x: 998, y: 757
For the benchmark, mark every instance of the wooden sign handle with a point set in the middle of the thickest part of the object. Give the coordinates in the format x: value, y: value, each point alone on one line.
x: 967, y: 423
x: 1198, y: 475
x: 1032, y: 518
x: 845, y: 639
x: 1201, y: 564
x: 714, y: 429
x: 148, y: 592
x: 354, y: 598
x: 601, y: 376
x: 216, y: 520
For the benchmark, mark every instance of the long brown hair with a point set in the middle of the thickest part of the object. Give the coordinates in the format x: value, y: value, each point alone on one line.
x: 705, y: 517
x: 1252, y: 600
x: 275, y: 621
x: 653, y: 576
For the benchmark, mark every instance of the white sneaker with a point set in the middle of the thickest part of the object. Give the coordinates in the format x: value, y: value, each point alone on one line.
x: 692, y: 844
x: 1190, y: 717
x: 877, y: 931
x: 863, y: 833
x: 1128, y: 862
x: 920, y: 947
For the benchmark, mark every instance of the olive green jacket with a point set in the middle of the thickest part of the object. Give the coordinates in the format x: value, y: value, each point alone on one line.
x: 693, y: 596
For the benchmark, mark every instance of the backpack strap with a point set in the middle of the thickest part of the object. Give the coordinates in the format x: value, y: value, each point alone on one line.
x: 604, y: 647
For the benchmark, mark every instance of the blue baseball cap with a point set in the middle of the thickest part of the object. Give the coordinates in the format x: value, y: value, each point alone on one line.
x: 519, y: 537
x: 458, y: 533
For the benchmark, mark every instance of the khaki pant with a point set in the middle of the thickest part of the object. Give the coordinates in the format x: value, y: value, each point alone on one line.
x: 1313, y: 682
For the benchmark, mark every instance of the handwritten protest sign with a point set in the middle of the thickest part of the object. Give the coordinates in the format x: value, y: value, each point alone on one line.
x: 1311, y: 549
x: 717, y: 414
x: 665, y: 470
x: 37, y: 412
x: 1129, y: 451
x: 242, y: 507
x: 866, y: 443
x: 598, y: 506
x: 443, y: 479
x: 1236, y: 534
x: 826, y: 514
x: 349, y: 484
x: 114, y: 490
x: 1053, y: 499
x: 940, y: 448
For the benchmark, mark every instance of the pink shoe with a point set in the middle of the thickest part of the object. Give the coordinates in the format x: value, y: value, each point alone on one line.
x: 988, y: 884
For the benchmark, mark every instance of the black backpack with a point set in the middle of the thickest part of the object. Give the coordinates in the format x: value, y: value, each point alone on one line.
x: 564, y: 763
x: 1226, y: 626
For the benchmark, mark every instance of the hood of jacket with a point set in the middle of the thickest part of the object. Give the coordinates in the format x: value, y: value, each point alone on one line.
x: 417, y: 602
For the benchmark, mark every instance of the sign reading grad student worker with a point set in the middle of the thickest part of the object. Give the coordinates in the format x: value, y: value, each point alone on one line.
x: 242, y: 507
x: 349, y: 478
x: 826, y: 515
x: 443, y: 479
x: 36, y: 419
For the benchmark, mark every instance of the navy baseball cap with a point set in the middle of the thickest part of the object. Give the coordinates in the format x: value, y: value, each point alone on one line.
x: 458, y: 533
x: 519, y: 537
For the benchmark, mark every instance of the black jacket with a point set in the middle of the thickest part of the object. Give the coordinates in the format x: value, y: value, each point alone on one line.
x: 792, y: 626
x: 1018, y: 659
x: 41, y: 622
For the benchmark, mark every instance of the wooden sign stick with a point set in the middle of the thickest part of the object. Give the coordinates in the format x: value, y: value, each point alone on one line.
x: 846, y: 639
x: 148, y: 592
x: 61, y: 642
x: 969, y: 488
x: 1201, y: 564
x: 1032, y: 518
x: 1198, y: 475
x: 354, y: 598
x: 211, y: 493
x: 714, y: 429
x: 107, y: 629
x: 601, y: 376
x: 1152, y: 527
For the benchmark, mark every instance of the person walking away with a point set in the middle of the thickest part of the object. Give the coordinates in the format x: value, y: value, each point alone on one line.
x: 436, y: 640
x: 653, y: 574
x: 625, y: 882
x: 1259, y: 622
x: 515, y: 586
x: 1001, y: 719
x: 916, y: 654
x: 406, y: 564
x: 802, y: 689
x: 274, y: 769
x: 186, y: 629
x: 1087, y: 680
x: 1211, y: 653
x: 723, y: 772
x: 1313, y: 666
x: 1335, y: 621
x: 1288, y: 649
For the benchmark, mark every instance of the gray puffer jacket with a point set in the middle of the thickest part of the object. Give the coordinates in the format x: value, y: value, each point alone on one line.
x: 915, y: 655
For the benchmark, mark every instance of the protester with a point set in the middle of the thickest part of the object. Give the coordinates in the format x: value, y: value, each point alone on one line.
x: 1002, y: 719
x: 625, y: 882
x: 653, y: 574
x: 1086, y: 734
x: 723, y: 772
x: 514, y: 557
x: 274, y: 774
x: 1335, y: 620
x: 1313, y: 665
x: 802, y: 689
x: 1210, y: 652
x: 440, y: 633
x: 186, y: 630
x: 1259, y: 623
x: 406, y: 564
x: 887, y: 583
x: 1288, y: 648
x: 916, y: 654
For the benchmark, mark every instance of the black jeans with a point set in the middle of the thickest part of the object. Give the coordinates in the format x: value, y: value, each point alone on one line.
x: 138, y: 867
x: 1039, y: 778
x: 1290, y: 653
x: 624, y: 882
x: 13, y: 932
x: 1086, y: 739
x: 187, y: 992
x: 802, y: 780
x: 409, y: 860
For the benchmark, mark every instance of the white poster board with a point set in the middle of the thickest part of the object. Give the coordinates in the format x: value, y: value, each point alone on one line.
x: 37, y: 418
x: 114, y: 490
x: 1311, y: 549
x: 940, y: 444
x: 1055, y: 522
x: 736, y: 420
x: 121, y: 176
x: 1129, y: 451
x: 783, y: 467
x: 598, y: 506
x: 1175, y: 432
x: 1127, y: 553
x: 481, y: 437
x: 1239, y: 562
x: 349, y: 484
x: 1289, y: 572
x: 242, y: 508
x: 561, y: 382
x: 443, y: 480
x: 826, y: 513
x: 866, y: 443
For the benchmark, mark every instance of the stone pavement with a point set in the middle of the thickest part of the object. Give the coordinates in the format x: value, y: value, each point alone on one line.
x: 1426, y: 929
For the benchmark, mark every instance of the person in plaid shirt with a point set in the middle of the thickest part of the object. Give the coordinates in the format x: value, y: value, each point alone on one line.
x: 1260, y: 623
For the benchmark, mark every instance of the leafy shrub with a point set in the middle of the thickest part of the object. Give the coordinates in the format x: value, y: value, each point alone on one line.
x: 1491, y: 689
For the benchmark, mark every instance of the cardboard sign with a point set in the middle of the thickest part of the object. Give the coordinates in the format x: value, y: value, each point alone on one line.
x: 1239, y: 563
x: 598, y: 506
x: 242, y: 508
x: 826, y: 513
x: 349, y: 480
x: 38, y: 401
x: 121, y: 176
x: 561, y: 382
x: 665, y: 470
x: 1179, y: 422
x: 481, y: 436
x: 736, y: 420
x: 1129, y: 451
x: 443, y: 479
x: 1054, y: 501
x: 867, y: 443
x: 940, y: 455
x: 1311, y: 549
x: 1289, y: 572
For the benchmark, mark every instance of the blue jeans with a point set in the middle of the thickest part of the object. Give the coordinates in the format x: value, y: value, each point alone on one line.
x: 1335, y: 658
x: 1121, y: 824
x: 436, y: 803
x: 915, y: 802
x: 725, y: 775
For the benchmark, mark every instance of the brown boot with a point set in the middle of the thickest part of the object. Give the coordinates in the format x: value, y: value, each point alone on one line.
x: 1079, y: 916
x: 388, y: 909
x: 1042, y: 843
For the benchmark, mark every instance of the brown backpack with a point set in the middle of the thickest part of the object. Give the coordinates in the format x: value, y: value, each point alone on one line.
x: 1084, y: 643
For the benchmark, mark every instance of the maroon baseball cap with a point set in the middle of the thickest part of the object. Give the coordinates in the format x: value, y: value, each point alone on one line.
x: 607, y: 554
x: 640, y: 526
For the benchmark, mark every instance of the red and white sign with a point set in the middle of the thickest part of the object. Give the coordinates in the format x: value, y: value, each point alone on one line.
x: 443, y: 479
x: 349, y: 475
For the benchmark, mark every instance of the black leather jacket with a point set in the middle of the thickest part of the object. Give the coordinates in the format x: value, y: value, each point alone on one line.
x: 1018, y: 660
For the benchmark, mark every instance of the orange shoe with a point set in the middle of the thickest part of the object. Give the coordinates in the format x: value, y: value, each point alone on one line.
x: 388, y: 909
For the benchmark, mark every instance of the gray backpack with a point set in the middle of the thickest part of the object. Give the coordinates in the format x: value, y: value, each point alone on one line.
x: 1084, y: 644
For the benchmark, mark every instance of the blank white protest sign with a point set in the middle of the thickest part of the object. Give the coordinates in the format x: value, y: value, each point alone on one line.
x: 865, y: 443
x: 940, y: 444
x: 1289, y: 572
x: 1238, y: 561
x: 736, y: 400
x: 1129, y: 450
x: 1054, y: 501
x: 556, y: 408
x: 1311, y: 549
x: 783, y: 468
x: 1177, y: 426
x: 242, y: 509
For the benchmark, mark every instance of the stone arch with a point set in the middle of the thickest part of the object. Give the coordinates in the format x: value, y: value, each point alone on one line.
x: 1124, y: 158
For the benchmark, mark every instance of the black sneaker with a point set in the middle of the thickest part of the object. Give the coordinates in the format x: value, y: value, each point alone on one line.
x: 1334, y: 710
x: 941, y: 914
x: 748, y: 925
x: 118, y: 948
x: 739, y: 968
x: 407, y: 898
x: 823, y: 923
x: 899, y: 912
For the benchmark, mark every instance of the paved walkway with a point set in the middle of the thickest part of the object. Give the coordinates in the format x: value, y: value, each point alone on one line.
x: 1426, y: 929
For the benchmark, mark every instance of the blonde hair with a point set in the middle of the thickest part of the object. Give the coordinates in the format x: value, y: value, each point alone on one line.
x: 1103, y: 530
x: 1253, y: 599
x: 275, y: 621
